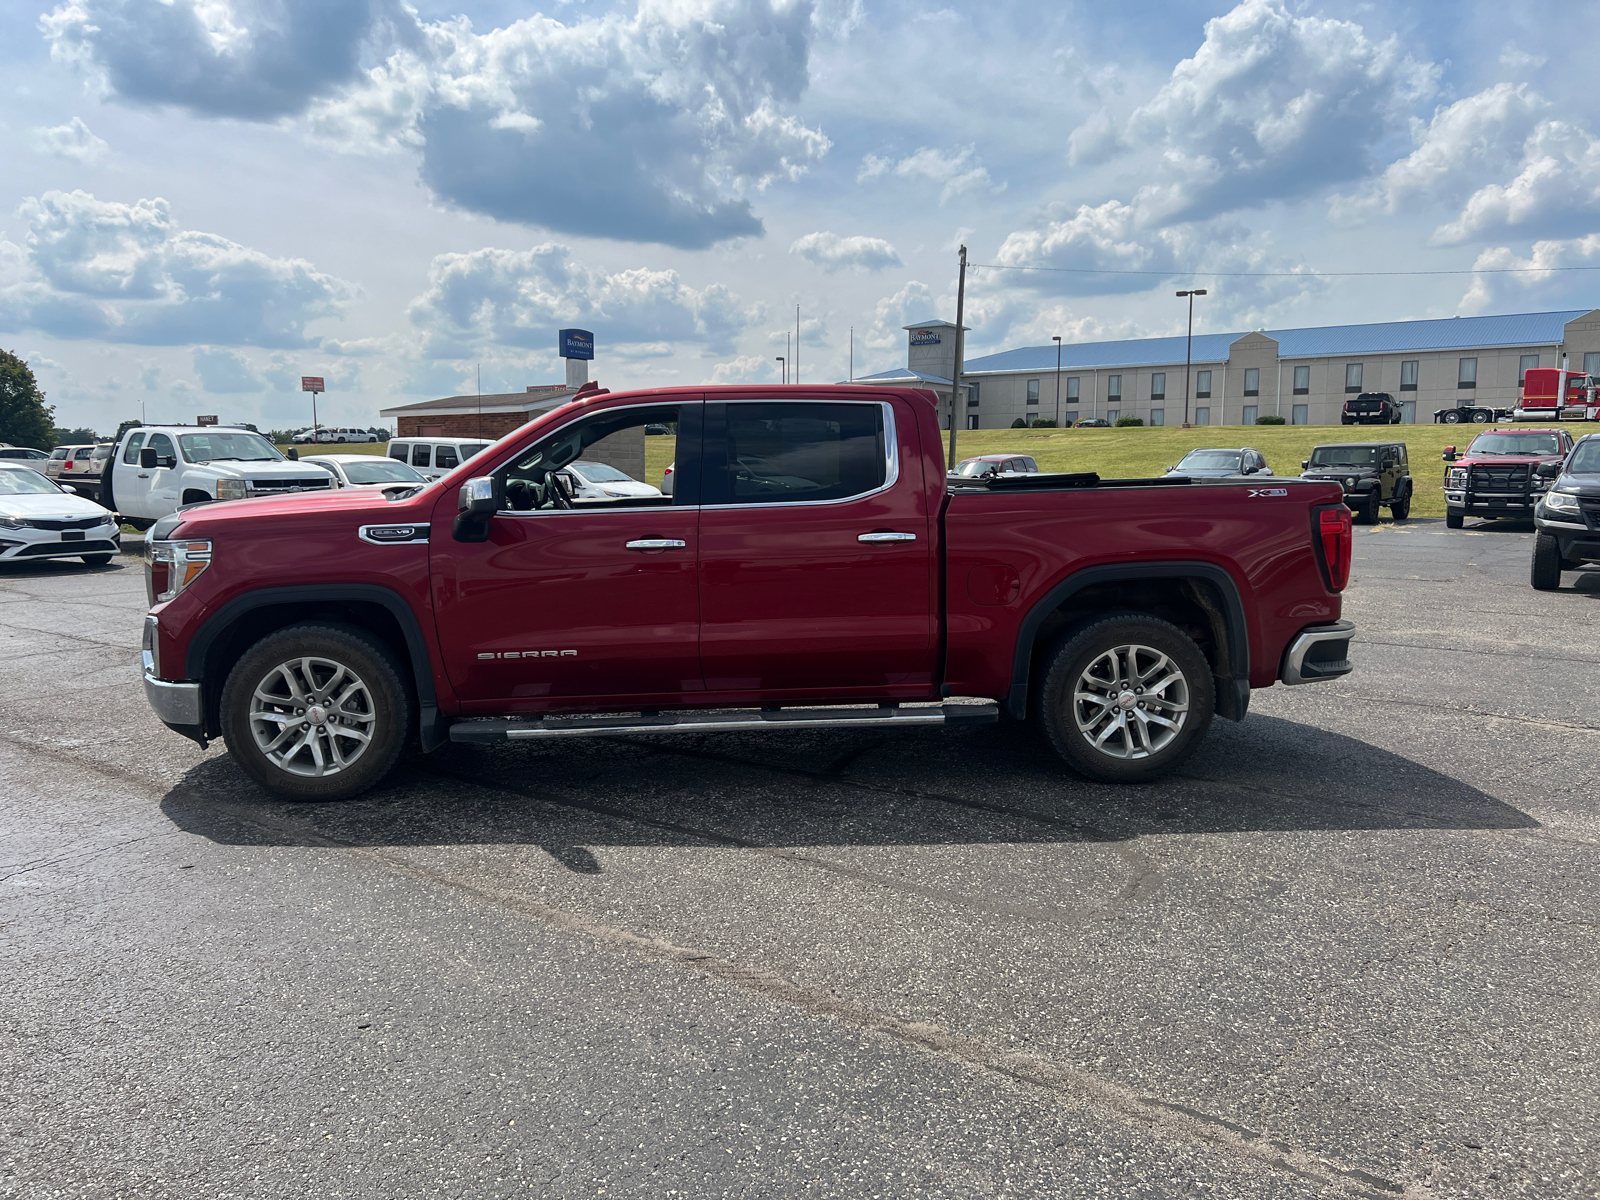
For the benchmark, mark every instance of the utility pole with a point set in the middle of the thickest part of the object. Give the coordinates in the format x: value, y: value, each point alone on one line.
x: 956, y: 407
x: 852, y: 354
x: 1057, y: 341
x: 1188, y: 352
x: 797, y: 343
x: 479, y: 367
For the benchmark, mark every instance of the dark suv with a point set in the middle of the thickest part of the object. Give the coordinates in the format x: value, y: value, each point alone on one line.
x: 1373, y: 474
x: 1568, y: 516
x: 1371, y: 408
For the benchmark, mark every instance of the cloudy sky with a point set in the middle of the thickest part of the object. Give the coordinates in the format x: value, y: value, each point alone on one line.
x: 203, y: 200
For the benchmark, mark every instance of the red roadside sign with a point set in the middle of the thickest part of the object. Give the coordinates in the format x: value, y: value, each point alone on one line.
x: 311, y: 383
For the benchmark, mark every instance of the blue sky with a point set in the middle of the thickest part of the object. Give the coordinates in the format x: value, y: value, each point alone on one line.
x: 206, y: 199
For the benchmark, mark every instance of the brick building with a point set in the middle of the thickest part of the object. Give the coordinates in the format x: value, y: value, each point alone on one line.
x: 488, y: 417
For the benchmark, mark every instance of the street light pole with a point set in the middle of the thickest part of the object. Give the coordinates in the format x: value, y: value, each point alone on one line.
x: 1188, y: 351
x: 956, y: 407
x: 1057, y: 341
x: 783, y: 367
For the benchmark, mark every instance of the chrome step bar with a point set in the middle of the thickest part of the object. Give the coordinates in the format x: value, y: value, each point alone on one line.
x: 735, y: 720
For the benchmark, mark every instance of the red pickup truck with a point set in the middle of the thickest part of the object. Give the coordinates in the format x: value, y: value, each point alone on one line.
x: 814, y: 566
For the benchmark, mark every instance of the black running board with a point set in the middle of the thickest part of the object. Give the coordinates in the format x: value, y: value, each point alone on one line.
x: 736, y: 720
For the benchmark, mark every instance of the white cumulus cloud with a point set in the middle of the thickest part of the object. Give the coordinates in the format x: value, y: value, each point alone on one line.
x: 73, y: 140
x: 1556, y: 190
x: 956, y: 171
x: 832, y: 252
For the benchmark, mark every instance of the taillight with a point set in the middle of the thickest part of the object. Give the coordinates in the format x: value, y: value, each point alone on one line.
x: 1338, y: 542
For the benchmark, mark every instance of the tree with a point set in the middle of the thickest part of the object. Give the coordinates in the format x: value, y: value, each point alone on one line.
x: 25, y: 419
x: 82, y: 436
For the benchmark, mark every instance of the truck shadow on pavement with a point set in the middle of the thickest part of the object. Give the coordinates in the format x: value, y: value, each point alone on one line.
x: 843, y: 787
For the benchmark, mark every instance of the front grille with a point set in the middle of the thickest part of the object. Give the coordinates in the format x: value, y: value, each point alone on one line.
x: 268, y: 486
x: 1495, y: 477
x: 58, y: 526
x: 66, y: 548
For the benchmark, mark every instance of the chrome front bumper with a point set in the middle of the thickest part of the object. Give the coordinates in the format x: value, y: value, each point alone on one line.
x: 1319, y: 653
x: 175, y: 703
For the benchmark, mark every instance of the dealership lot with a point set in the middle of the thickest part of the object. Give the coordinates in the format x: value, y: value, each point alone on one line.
x: 1350, y: 949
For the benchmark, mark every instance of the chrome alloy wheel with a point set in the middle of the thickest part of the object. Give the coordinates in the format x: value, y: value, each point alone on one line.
x: 312, y: 717
x: 1130, y: 702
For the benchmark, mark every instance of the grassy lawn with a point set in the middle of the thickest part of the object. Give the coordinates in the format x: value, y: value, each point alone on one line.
x: 1139, y: 452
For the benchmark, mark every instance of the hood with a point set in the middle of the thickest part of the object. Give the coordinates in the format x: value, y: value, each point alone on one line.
x: 314, y: 509
x: 275, y: 469
x: 1504, y: 460
x: 62, y: 506
x: 1586, y: 484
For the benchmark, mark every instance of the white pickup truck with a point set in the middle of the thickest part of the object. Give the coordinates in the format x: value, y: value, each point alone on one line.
x: 158, y: 469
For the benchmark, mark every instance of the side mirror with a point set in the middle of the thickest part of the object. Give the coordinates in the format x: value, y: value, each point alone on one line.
x: 1547, y: 470
x: 148, y: 460
x: 477, y: 502
x: 1450, y: 454
x: 293, y: 455
x: 1305, y: 464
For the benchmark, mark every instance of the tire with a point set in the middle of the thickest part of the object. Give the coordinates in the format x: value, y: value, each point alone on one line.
x: 1453, y: 520
x: 269, y: 686
x: 138, y: 523
x: 1093, y: 662
x: 1452, y: 417
x: 1480, y: 418
x: 1401, y: 509
x: 97, y: 560
x: 1545, y: 571
x: 1367, y: 514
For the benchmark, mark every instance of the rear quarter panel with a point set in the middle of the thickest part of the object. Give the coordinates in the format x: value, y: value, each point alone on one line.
x: 1264, y: 543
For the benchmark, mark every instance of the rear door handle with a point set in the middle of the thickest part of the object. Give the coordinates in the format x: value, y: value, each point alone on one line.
x: 656, y: 544
x: 873, y: 538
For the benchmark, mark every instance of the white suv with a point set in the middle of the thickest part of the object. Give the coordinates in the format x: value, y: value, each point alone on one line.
x: 334, y: 435
x: 435, y: 457
x: 158, y: 469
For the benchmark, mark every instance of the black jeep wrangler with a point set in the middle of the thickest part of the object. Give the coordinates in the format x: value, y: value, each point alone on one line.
x: 1373, y: 474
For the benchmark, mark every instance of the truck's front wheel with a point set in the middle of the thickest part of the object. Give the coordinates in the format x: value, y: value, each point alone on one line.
x: 316, y: 712
x: 1126, y: 698
x: 1545, y: 572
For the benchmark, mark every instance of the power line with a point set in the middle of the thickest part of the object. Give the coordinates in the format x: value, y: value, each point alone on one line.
x: 1275, y: 274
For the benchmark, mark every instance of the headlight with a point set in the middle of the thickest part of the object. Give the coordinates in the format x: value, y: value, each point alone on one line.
x: 232, y: 489
x: 10, y: 523
x: 1458, y: 477
x: 1349, y: 481
x: 175, y: 565
x: 616, y: 495
x: 1564, y: 502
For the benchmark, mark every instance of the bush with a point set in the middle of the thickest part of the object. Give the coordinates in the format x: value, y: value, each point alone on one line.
x: 1044, y: 423
x: 1270, y: 419
x: 1019, y: 423
x: 1127, y: 422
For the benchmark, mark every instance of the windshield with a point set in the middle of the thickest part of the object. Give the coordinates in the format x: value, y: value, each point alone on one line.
x: 1516, y: 443
x: 219, y: 447
x: 1586, y: 458
x: 600, y: 473
x: 977, y: 466
x: 25, y: 483
x: 1210, y: 460
x: 382, y: 470
x: 1344, y: 456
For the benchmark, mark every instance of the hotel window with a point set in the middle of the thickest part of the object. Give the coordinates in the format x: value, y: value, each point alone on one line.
x: 1528, y: 362
x: 1072, y: 389
x: 1249, y: 417
x: 1467, y: 373
x: 1070, y: 417
x: 972, y: 421
x: 1252, y: 381
x: 972, y: 395
x: 1352, y: 377
x: 1202, y: 416
x: 1202, y: 385
x: 1158, y: 385
x: 1113, y: 415
x: 1033, y: 391
x: 1158, y: 416
x: 1591, y: 363
x: 1408, y: 375
x: 1299, y: 417
x: 1114, y: 387
x: 1302, y: 381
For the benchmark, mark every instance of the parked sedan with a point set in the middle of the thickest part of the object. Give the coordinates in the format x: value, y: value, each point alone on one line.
x: 24, y: 453
x: 367, y: 471
x: 599, y: 481
x: 42, y: 519
x: 996, y: 464
x: 1220, y: 464
x: 1093, y: 423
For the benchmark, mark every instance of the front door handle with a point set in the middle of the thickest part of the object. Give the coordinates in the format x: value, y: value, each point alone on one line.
x: 656, y: 544
x: 874, y: 538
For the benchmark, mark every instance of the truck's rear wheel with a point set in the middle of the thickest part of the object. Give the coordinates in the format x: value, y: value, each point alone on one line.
x: 1452, y: 416
x: 1126, y: 698
x: 1367, y: 511
x: 1480, y: 417
x: 316, y: 712
x: 1545, y: 572
x: 1401, y: 509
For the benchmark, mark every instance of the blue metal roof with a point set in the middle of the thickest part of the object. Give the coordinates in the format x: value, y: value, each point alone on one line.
x: 903, y: 375
x: 1327, y: 341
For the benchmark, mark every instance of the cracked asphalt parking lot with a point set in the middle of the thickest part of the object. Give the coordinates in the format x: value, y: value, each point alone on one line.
x: 1351, y: 949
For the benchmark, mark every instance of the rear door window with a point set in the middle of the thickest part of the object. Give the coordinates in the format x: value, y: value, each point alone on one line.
x: 444, y: 458
x: 422, y: 456
x: 400, y: 453
x: 776, y: 452
x: 58, y: 453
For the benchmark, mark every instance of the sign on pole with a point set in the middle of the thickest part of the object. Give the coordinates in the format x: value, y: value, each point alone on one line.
x: 576, y: 343
x: 212, y: 420
x: 311, y: 383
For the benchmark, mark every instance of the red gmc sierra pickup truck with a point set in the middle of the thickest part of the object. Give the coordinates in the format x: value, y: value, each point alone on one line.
x: 813, y: 566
